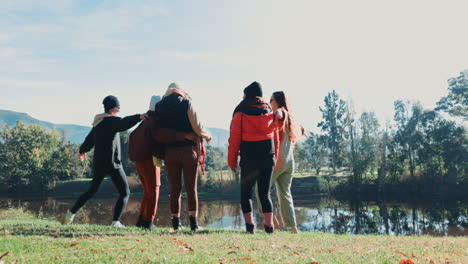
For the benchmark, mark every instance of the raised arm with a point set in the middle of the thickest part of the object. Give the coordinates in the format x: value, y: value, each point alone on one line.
x: 123, y: 124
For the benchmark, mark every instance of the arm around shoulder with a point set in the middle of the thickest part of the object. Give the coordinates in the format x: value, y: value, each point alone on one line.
x: 123, y: 124
x: 196, y: 124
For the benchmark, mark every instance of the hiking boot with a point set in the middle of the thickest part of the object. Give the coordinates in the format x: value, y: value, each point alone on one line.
x: 269, y: 229
x: 250, y: 228
x: 117, y: 224
x: 67, y: 218
x: 139, y: 223
x: 147, y: 225
x: 194, y: 224
x: 176, y: 223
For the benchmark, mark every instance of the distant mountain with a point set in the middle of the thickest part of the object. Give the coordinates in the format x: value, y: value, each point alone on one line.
x: 220, y: 137
x: 73, y: 133
x: 76, y: 134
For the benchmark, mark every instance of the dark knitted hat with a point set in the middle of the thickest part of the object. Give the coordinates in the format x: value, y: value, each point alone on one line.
x: 253, y: 90
x: 110, y: 102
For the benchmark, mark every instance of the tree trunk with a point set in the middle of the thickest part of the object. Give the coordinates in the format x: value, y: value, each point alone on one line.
x: 411, y: 167
x: 356, y: 172
x: 383, y: 167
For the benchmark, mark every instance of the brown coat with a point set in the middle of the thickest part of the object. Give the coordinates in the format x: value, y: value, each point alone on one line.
x: 148, y: 139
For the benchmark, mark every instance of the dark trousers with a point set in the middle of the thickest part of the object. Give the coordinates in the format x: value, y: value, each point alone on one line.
x: 261, y: 177
x: 178, y: 161
x: 150, y: 177
x: 120, y: 181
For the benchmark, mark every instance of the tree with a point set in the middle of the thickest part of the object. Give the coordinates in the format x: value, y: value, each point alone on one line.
x: 456, y: 102
x: 312, y: 152
x: 333, y: 126
x: 215, y: 158
x: 407, y: 135
x: 382, y: 172
x: 368, y: 145
x: 363, y: 136
x: 24, y: 152
x: 31, y: 157
x: 444, y: 149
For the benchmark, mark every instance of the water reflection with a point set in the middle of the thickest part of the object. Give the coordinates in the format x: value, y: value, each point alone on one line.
x: 324, y: 215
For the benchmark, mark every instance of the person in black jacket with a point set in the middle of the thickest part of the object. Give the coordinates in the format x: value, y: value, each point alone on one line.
x: 105, y: 138
x: 182, y: 158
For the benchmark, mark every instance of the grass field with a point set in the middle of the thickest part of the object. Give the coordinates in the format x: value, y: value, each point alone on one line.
x: 26, y: 239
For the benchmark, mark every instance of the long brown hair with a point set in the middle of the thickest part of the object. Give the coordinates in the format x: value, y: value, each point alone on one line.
x: 289, y: 122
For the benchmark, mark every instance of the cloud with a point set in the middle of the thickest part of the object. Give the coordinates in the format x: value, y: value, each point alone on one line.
x: 7, y: 52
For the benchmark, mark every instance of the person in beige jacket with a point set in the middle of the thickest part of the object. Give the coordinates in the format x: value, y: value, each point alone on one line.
x: 176, y: 112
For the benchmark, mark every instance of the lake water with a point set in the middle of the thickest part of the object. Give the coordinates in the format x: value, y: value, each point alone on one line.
x: 313, y: 215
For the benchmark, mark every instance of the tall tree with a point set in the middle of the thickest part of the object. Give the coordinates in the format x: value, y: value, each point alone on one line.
x: 333, y: 113
x: 368, y: 141
x: 352, y: 136
x: 363, y: 139
x: 382, y: 172
x: 456, y: 102
x: 407, y: 135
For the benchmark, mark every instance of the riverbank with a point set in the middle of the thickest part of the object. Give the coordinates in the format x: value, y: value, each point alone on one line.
x: 303, y: 185
x: 27, y: 239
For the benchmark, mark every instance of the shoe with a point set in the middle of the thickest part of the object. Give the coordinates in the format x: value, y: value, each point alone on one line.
x: 176, y: 225
x: 67, y: 218
x: 269, y: 229
x: 194, y: 224
x: 250, y: 228
x: 139, y: 223
x: 147, y: 225
x: 117, y: 224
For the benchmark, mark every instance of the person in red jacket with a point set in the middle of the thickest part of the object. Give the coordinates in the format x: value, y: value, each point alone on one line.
x: 146, y: 143
x: 254, y: 134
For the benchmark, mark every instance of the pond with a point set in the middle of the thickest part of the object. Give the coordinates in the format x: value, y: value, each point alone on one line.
x: 313, y: 214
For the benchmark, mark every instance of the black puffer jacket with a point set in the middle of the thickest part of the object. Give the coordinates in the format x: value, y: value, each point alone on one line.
x: 172, y: 111
x: 105, y: 138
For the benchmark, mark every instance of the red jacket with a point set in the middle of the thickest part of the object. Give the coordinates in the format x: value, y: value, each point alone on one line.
x: 251, y: 128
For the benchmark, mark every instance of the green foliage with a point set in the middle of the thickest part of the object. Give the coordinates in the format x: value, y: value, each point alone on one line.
x: 444, y: 149
x: 333, y: 126
x: 456, y: 102
x: 216, y: 158
x: 312, y: 153
x: 31, y: 156
x: 420, y: 143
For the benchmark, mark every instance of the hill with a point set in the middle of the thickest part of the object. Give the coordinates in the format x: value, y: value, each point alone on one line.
x: 73, y: 133
x: 76, y: 133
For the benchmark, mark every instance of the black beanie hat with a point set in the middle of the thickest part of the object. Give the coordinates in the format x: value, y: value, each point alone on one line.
x: 110, y: 102
x: 253, y: 90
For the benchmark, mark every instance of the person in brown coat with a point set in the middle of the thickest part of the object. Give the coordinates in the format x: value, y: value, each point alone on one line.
x: 146, y: 144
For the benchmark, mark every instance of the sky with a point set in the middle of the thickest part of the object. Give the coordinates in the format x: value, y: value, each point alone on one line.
x: 60, y: 58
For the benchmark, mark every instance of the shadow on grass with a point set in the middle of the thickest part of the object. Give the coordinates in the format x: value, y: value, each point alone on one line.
x: 56, y: 230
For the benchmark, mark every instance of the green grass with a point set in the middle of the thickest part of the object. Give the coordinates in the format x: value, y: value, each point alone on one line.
x: 29, y: 240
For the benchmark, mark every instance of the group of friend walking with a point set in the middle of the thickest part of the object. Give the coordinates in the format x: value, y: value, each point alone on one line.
x: 262, y: 134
